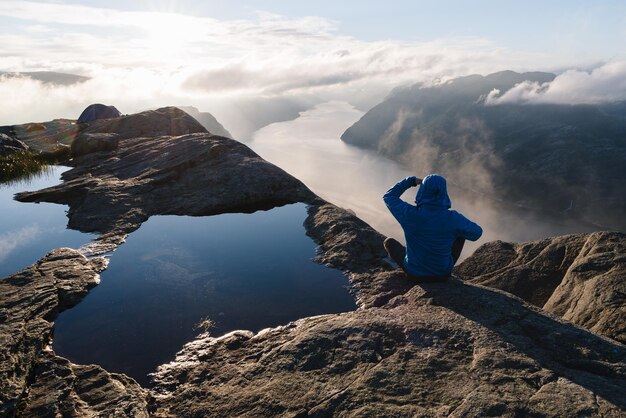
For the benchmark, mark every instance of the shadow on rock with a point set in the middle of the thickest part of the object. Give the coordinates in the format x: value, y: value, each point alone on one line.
x: 578, y: 355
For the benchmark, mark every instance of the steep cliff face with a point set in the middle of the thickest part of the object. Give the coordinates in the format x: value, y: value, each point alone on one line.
x: 581, y: 278
x: 557, y: 158
x: 446, y: 349
x: 207, y: 120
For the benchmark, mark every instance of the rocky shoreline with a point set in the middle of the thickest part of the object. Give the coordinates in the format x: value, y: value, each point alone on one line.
x: 448, y: 349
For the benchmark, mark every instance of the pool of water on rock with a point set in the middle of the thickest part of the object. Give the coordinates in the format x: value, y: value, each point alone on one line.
x: 243, y: 271
x: 28, y: 231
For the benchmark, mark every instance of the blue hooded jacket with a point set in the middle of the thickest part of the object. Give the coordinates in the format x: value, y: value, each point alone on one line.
x: 430, y: 227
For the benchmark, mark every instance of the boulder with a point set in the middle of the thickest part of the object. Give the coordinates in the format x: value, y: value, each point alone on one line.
x: 10, y: 145
x: 580, y: 277
x: 98, y: 111
x: 56, y: 152
x: 86, y: 143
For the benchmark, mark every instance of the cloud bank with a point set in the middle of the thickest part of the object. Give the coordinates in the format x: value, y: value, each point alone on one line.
x: 606, y: 83
x: 138, y: 60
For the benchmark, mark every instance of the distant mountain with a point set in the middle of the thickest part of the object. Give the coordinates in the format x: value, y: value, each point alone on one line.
x: 558, y: 158
x: 49, y: 77
x: 207, y: 120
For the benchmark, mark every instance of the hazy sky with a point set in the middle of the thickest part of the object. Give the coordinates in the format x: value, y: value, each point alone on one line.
x: 209, y: 53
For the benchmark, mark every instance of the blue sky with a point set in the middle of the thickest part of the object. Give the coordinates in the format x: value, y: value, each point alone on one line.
x: 209, y: 53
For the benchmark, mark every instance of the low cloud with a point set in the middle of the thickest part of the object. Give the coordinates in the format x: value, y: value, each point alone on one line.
x: 138, y: 60
x: 603, y: 84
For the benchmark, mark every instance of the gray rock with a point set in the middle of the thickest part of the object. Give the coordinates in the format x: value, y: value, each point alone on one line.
x: 86, y: 143
x: 10, y: 145
x: 61, y: 388
x: 207, y: 120
x: 196, y: 174
x: 449, y: 349
x: 581, y: 277
x: 166, y: 121
x: 33, y: 380
x: 57, y: 135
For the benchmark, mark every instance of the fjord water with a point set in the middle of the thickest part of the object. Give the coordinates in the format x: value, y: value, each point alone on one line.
x: 242, y: 271
x: 309, y: 148
x: 30, y: 230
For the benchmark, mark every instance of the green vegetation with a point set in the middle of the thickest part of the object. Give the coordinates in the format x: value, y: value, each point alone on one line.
x: 21, y: 165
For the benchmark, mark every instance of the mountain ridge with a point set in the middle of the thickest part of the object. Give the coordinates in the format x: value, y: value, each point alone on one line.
x: 557, y: 158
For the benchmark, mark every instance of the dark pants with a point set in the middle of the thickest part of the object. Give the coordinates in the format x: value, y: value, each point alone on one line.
x: 397, y: 252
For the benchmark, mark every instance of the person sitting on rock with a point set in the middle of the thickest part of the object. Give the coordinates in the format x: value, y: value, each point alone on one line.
x: 434, y: 234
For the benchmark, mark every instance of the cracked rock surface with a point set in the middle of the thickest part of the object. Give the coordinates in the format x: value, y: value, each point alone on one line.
x: 580, y: 277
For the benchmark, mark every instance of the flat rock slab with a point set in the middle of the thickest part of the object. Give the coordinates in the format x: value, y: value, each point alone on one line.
x: 580, y: 277
x: 449, y: 349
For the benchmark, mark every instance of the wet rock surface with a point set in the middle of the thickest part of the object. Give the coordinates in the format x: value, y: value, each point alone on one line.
x: 580, y: 277
x: 34, y: 381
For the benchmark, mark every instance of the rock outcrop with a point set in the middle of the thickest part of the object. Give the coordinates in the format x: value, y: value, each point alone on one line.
x: 33, y: 380
x: 581, y: 278
x: 51, y: 139
x: 443, y: 349
x: 86, y: 143
x: 98, y: 111
x: 166, y: 121
x: 207, y: 120
x: 197, y: 174
x: 10, y: 145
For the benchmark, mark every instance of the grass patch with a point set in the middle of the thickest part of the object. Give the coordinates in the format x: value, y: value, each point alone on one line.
x: 21, y: 165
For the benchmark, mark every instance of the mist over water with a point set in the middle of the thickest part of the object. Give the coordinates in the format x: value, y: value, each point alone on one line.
x: 309, y: 148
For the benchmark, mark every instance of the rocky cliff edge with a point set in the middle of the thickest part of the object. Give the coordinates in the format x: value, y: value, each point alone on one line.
x: 449, y: 349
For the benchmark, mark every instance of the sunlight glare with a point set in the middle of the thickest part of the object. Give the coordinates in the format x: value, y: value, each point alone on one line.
x: 168, y: 33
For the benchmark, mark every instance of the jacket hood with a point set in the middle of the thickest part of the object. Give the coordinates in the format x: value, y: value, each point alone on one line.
x: 433, y: 191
